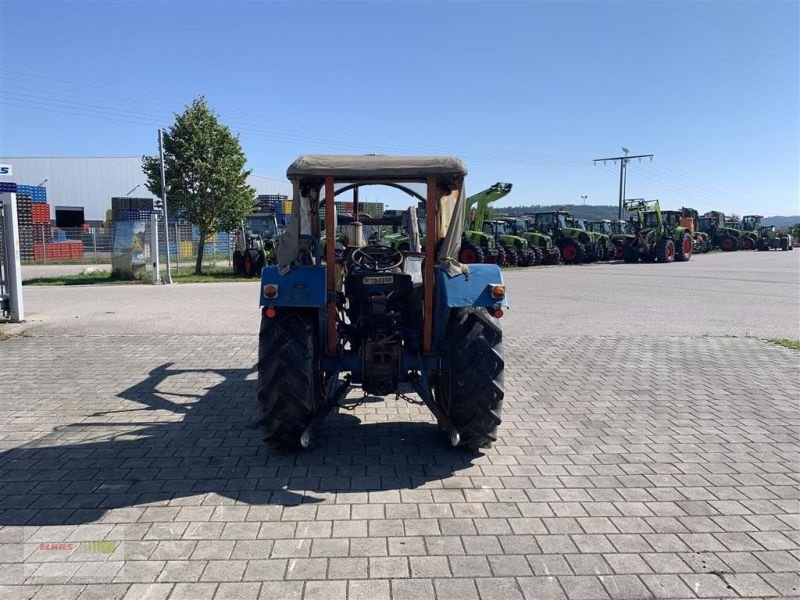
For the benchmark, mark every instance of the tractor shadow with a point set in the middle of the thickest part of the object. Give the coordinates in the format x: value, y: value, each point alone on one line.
x: 172, y: 444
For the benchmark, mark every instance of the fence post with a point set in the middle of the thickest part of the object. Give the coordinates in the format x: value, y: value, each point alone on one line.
x: 94, y: 243
x: 178, y: 248
x: 44, y: 248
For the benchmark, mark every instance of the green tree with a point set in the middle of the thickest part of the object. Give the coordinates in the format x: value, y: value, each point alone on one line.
x: 205, y: 174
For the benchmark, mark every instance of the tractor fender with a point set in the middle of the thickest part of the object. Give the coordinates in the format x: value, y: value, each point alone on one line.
x: 474, y: 290
x: 301, y: 286
x: 465, y: 291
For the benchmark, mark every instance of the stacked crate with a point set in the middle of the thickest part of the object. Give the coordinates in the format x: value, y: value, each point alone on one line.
x: 131, y: 209
x: 25, y: 225
x: 69, y: 250
x: 42, y: 232
x: 277, y: 204
x: 37, y: 193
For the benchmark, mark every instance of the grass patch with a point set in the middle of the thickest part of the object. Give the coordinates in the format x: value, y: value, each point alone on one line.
x: 95, y: 278
x: 786, y: 343
x: 213, y: 274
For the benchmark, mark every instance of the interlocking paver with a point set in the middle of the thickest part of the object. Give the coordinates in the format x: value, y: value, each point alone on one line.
x: 622, y: 493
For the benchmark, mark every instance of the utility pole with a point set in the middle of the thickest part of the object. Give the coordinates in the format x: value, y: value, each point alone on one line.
x: 164, y: 202
x: 623, y: 166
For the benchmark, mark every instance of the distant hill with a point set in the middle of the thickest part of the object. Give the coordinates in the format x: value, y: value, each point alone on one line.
x: 781, y: 221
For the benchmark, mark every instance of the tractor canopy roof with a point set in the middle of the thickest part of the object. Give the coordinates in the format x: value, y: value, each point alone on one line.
x: 371, y: 167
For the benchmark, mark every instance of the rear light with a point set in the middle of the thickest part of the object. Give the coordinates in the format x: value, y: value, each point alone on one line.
x: 498, y: 313
x: 269, y: 312
x: 497, y: 290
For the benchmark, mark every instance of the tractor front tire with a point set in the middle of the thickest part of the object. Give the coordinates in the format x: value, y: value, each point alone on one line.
x: 747, y: 244
x: 729, y: 244
x: 553, y: 257
x: 470, y: 391
x: 470, y: 254
x: 665, y: 251
x: 573, y: 252
x: 537, y: 256
x: 684, y: 248
x: 629, y: 253
x: 512, y: 258
x: 289, y: 384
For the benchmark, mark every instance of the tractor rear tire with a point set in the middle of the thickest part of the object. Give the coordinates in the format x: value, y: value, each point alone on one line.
x: 784, y: 244
x: 619, y: 250
x: 500, y: 258
x: 729, y: 244
x: 289, y: 383
x: 665, y: 251
x: 573, y: 252
x: 512, y: 258
x: 684, y: 247
x: 629, y: 253
x: 238, y: 263
x: 470, y: 391
x: 253, y: 262
x: 470, y: 254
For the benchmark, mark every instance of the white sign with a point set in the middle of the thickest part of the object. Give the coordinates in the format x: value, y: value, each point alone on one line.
x: 5, y: 170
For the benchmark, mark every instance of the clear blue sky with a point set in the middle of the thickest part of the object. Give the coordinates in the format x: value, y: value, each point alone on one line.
x: 526, y: 92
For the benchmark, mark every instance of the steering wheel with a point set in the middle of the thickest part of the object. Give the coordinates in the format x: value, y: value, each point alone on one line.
x: 377, y: 258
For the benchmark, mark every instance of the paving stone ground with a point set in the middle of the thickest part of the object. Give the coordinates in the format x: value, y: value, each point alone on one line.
x: 627, y: 468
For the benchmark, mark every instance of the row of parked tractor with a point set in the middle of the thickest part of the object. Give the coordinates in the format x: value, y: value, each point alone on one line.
x: 649, y: 234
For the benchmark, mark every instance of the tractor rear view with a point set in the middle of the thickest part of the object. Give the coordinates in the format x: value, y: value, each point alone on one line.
x: 376, y: 319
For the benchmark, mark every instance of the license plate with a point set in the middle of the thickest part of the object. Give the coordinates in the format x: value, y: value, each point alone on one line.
x: 378, y: 280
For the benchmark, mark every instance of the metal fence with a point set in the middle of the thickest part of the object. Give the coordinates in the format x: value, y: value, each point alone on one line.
x: 95, y: 245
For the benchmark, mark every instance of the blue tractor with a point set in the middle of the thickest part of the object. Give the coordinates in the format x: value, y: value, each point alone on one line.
x: 375, y: 318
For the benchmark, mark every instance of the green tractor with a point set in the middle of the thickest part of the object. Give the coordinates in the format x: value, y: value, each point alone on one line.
x: 659, y: 235
x: 621, y: 232
x: 751, y: 225
x: 255, y: 244
x: 725, y: 238
x: 747, y: 239
x: 542, y: 245
x: 574, y: 244
x: 597, y: 249
x: 702, y: 243
x: 477, y: 245
x: 770, y: 239
x: 604, y: 229
x: 515, y: 247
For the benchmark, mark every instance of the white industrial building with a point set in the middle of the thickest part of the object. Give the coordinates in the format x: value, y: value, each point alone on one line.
x: 90, y: 182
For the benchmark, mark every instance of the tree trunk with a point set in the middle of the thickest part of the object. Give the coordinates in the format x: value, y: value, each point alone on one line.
x: 201, y: 245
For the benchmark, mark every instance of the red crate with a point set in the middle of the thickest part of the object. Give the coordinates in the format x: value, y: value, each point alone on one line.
x: 40, y: 213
